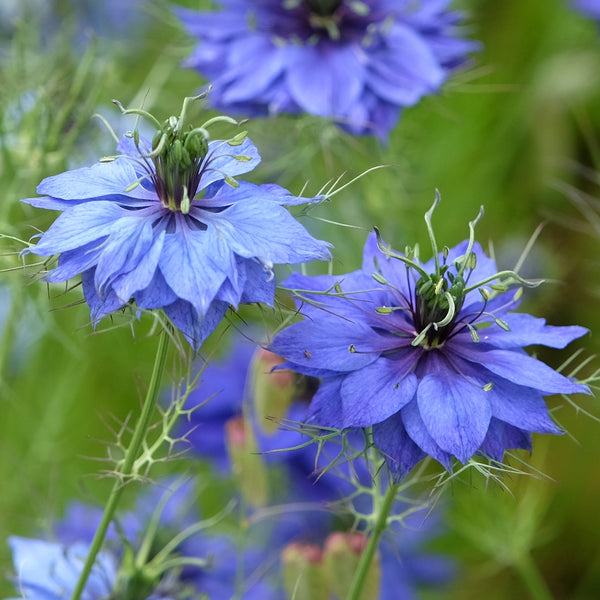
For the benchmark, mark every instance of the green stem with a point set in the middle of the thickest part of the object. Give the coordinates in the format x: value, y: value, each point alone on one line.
x: 128, y: 464
x: 532, y: 578
x: 366, y: 557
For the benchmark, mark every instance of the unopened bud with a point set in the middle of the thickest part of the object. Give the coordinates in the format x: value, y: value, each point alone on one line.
x: 340, y: 561
x: 273, y: 391
x: 302, y: 572
x: 246, y: 463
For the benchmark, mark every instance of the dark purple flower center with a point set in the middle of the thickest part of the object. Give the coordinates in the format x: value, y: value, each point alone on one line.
x: 439, y: 298
x: 178, y: 158
x: 323, y: 8
x: 316, y: 20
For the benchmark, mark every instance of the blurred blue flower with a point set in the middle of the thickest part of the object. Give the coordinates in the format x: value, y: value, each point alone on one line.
x: 49, y: 571
x: 166, y: 511
x: 430, y: 357
x: 357, y: 62
x: 590, y: 8
x: 166, y: 224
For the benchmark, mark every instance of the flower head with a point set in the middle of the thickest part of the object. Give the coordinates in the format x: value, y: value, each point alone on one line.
x: 49, y: 571
x: 165, y: 224
x: 358, y: 63
x: 161, y: 552
x: 588, y: 7
x: 431, y: 356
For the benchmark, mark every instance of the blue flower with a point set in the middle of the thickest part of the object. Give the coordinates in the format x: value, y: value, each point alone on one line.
x: 129, y: 565
x: 358, y: 63
x: 590, y: 8
x: 430, y: 356
x: 166, y: 224
x: 49, y: 571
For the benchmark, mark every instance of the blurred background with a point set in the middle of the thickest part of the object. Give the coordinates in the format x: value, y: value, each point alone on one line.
x: 517, y: 131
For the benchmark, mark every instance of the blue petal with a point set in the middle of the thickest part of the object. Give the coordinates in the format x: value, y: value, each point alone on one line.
x: 255, y: 227
x: 501, y: 437
x: 399, y: 450
x: 517, y: 405
x: 416, y: 429
x: 195, y: 263
x: 156, y: 295
x: 50, y: 571
x: 327, y: 345
x: 102, y: 180
x: 253, y: 78
x: 124, y: 249
x: 259, y: 283
x: 221, y: 161
x: 194, y: 327
x: 326, y: 405
x: 526, y: 330
x: 74, y: 262
x: 78, y: 226
x: 379, y: 390
x: 100, y: 306
x: 520, y: 368
x: 455, y: 410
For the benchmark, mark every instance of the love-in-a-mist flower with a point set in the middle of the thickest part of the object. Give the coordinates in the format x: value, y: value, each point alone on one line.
x: 431, y: 356
x: 162, y: 551
x: 588, y: 7
x: 356, y: 62
x: 165, y: 224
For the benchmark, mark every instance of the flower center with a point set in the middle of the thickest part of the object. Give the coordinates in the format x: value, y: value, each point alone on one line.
x: 439, y: 298
x: 177, y: 157
x: 323, y: 8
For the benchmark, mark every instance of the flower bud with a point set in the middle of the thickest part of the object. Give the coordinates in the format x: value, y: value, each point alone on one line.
x: 273, y: 391
x: 340, y: 560
x: 246, y: 463
x: 302, y: 572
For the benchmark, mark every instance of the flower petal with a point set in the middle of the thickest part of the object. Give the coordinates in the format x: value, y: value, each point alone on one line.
x: 398, y: 448
x: 526, y: 330
x: 78, y: 226
x: 520, y: 368
x: 379, y: 390
x: 416, y: 429
x: 195, y: 328
x: 334, y: 345
x: 455, y: 411
x: 195, y: 263
x: 221, y: 161
x: 107, y: 180
x: 501, y: 437
x: 257, y: 228
x: 326, y: 405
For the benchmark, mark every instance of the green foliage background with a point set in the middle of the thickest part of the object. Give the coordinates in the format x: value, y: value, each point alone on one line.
x: 517, y: 131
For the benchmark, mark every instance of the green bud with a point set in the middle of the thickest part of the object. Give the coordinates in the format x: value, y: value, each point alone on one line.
x: 303, y: 577
x: 272, y: 391
x: 340, y: 560
x: 246, y: 463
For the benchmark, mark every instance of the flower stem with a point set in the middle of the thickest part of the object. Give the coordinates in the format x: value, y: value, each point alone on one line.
x: 366, y: 558
x: 532, y: 578
x: 127, y: 469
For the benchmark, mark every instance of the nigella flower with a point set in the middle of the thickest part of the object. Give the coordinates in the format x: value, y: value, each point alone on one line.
x: 165, y: 224
x: 588, y: 7
x: 357, y: 62
x: 49, y: 571
x: 430, y: 356
x: 159, y: 551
